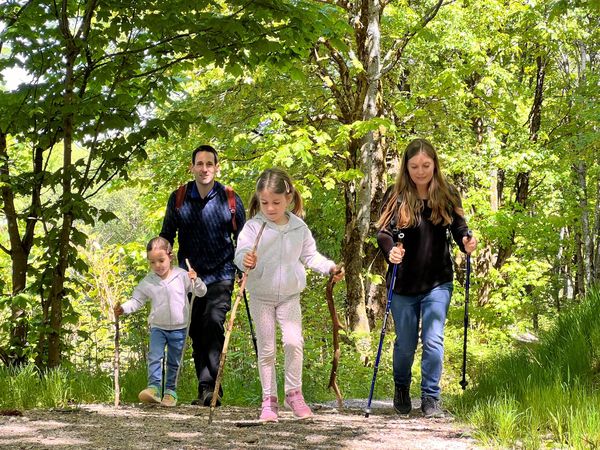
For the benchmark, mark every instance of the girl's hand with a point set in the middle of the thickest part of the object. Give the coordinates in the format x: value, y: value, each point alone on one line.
x: 470, y: 244
x: 338, y: 273
x: 397, y: 254
x: 250, y: 260
x: 192, y: 274
x: 118, y: 310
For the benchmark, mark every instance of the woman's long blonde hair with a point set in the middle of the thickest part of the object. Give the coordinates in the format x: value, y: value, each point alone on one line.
x: 403, y: 203
x: 278, y: 182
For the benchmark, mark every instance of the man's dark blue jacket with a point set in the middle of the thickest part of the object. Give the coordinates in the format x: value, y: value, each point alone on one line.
x: 205, y: 231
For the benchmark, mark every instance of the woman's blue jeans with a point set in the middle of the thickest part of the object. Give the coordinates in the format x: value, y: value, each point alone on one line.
x: 173, y: 340
x: 431, y: 309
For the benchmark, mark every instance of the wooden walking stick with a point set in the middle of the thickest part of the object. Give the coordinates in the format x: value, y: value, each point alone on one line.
x: 116, y: 364
x: 187, y: 329
x: 213, y: 402
x: 337, y: 326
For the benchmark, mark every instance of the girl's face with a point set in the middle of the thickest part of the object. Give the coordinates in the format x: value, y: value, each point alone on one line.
x: 273, y: 206
x: 160, y: 262
x: 420, y: 169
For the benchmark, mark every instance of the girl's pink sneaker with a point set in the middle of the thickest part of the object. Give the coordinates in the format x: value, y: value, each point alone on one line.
x: 295, y: 401
x: 269, y: 410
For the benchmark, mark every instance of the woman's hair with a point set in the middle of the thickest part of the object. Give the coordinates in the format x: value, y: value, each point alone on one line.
x: 403, y: 203
x: 159, y: 243
x: 278, y: 182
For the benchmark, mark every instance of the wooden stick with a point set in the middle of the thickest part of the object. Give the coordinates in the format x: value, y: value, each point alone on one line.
x: 337, y: 326
x: 116, y: 364
x: 187, y: 330
x: 213, y: 402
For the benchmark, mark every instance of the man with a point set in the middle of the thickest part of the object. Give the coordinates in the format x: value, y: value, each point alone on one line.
x: 207, y: 224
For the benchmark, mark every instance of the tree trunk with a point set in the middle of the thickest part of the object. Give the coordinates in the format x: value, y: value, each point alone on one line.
x: 369, y: 160
x: 56, y: 295
x: 19, y: 253
x: 596, y: 234
x: 580, y: 170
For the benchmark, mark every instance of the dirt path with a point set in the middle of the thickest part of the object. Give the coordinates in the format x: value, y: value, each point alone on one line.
x: 186, y: 427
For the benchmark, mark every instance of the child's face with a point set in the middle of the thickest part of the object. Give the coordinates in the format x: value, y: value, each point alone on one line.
x: 160, y: 262
x: 273, y: 206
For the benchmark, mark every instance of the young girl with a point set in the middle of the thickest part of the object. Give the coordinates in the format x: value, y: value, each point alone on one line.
x: 423, y: 205
x: 166, y: 287
x: 275, y: 283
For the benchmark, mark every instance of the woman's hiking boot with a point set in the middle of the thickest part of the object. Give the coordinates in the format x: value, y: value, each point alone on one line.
x: 402, y: 404
x: 269, y: 411
x: 295, y: 401
x: 431, y: 407
x: 150, y: 395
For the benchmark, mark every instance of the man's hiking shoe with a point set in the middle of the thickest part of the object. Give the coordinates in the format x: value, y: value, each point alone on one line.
x: 402, y: 404
x: 295, y: 401
x: 169, y: 399
x: 269, y: 410
x: 149, y: 395
x: 207, y: 397
x: 431, y: 407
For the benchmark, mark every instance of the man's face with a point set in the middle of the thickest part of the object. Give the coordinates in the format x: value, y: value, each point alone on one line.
x: 204, y: 168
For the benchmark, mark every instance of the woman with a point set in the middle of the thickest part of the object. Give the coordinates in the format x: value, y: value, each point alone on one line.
x: 423, y: 207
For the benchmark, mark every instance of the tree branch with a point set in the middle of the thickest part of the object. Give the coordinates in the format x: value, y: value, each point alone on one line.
x: 393, y: 56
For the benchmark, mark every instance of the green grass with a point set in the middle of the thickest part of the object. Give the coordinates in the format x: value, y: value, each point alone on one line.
x: 542, y: 395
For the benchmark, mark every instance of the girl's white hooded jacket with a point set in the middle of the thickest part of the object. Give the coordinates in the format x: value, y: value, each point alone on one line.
x: 281, y: 257
x: 168, y: 297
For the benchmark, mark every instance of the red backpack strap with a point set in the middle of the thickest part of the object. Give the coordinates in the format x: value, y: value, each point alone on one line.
x: 180, y: 196
x: 231, y: 201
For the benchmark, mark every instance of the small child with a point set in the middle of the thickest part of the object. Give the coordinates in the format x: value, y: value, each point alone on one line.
x: 275, y: 284
x: 166, y: 287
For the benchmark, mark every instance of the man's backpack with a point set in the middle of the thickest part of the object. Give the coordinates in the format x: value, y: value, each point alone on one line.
x: 180, y: 197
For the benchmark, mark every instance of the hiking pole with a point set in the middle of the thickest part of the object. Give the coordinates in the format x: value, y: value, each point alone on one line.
x: 397, y: 237
x: 250, y: 323
x: 187, y: 328
x: 464, y: 381
x: 116, y: 364
x: 213, y: 402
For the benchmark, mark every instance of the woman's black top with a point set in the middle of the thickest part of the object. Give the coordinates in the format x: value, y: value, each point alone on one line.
x: 427, y: 261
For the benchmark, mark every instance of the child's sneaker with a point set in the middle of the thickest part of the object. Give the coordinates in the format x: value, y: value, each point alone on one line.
x: 295, y: 401
x: 169, y: 399
x: 150, y: 395
x: 269, y: 410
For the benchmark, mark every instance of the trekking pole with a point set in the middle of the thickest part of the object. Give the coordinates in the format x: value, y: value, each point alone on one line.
x: 397, y: 237
x: 187, y: 329
x: 250, y: 323
x: 464, y: 381
x: 116, y: 364
x: 213, y: 402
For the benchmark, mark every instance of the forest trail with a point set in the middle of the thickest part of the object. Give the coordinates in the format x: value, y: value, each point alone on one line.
x: 186, y: 427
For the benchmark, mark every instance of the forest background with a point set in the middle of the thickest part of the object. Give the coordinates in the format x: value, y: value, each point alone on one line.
x: 114, y: 96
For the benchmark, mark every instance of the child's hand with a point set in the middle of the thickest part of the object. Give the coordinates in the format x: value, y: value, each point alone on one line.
x: 338, y: 273
x: 118, y: 310
x: 250, y: 260
x: 191, y: 272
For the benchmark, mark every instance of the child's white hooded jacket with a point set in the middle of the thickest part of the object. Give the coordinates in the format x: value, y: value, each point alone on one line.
x: 281, y: 257
x: 169, y: 299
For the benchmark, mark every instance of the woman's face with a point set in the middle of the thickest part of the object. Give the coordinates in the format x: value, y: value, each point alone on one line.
x: 420, y: 169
